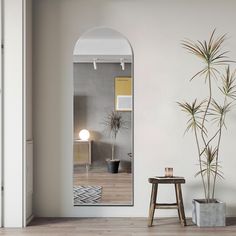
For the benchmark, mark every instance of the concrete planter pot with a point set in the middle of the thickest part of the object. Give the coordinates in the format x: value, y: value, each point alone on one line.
x: 208, y: 214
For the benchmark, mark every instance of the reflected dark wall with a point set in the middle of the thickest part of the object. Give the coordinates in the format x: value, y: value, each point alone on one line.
x: 80, y: 104
x: 93, y: 100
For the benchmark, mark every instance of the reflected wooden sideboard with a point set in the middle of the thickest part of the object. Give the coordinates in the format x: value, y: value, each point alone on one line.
x: 82, y: 152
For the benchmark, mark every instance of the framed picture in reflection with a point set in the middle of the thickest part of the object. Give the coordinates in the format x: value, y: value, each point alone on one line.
x: 123, y: 94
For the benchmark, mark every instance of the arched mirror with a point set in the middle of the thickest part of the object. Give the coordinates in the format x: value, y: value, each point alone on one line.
x: 103, y: 119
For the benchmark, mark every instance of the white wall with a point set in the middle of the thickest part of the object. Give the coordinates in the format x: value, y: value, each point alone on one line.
x: 161, y: 73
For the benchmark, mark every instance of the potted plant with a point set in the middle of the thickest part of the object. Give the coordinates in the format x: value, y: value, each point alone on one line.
x: 206, y: 118
x: 114, y: 123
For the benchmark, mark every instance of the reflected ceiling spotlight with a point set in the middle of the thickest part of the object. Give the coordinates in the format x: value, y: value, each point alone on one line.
x: 122, y: 64
x: 95, y: 63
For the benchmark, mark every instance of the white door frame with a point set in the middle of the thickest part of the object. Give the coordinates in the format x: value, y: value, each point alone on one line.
x: 1, y: 113
x: 13, y: 114
x: 15, y: 67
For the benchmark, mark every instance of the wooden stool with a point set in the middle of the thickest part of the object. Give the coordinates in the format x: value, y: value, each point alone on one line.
x: 177, y: 181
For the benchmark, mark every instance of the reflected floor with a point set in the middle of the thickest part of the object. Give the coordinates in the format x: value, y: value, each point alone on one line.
x: 116, y: 188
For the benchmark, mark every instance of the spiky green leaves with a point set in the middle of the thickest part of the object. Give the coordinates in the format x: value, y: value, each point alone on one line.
x: 209, y: 163
x: 193, y: 110
x: 218, y: 112
x: 228, y: 84
x: 210, y: 53
x: 114, y: 122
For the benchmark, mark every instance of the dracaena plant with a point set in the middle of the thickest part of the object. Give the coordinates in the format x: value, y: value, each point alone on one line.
x: 206, y: 118
x: 114, y: 123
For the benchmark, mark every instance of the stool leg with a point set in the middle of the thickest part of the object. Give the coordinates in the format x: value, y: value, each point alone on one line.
x: 177, y: 200
x: 152, y: 204
x: 181, y: 205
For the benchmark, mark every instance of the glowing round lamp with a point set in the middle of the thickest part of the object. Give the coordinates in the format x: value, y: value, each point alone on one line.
x: 84, y: 134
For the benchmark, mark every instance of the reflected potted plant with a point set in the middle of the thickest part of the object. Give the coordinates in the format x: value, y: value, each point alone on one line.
x: 114, y: 123
x: 206, y: 118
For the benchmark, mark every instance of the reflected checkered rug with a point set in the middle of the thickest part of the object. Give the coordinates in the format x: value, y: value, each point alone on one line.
x: 87, y: 194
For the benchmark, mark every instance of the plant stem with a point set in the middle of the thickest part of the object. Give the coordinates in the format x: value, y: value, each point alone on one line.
x: 208, y: 181
x: 202, y: 129
x: 199, y: 157
x: 113, y: 149
x: 209, y: 141
x: 207, y: 107
x: 218, y: 147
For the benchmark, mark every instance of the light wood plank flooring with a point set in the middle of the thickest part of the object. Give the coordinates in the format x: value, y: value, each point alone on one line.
x: 116, y: 188
x: 116, y: 227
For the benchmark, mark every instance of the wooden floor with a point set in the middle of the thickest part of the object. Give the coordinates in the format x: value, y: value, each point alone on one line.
x: 116, y: 188
x: 116, y: 227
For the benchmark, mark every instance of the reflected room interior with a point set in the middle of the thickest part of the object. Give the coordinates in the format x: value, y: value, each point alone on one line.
x: 103, y: 119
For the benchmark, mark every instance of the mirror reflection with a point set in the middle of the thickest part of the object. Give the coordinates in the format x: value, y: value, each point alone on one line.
x: 103, y: 119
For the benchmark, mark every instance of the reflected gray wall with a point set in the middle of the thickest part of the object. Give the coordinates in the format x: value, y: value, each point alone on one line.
x: 93, y: 100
